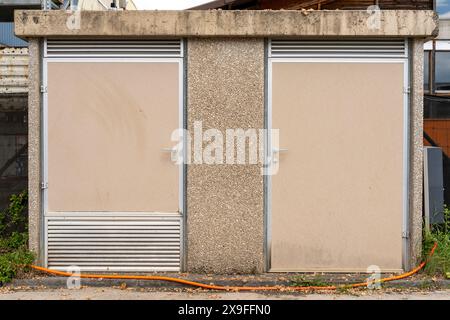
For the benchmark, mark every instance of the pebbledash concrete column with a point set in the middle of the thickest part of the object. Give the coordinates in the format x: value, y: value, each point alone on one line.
x: 225, y: 203
x: 34, y: 151
x: 416, y: 152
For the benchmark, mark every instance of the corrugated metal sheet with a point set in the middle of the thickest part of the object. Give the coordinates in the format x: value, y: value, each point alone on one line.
x: 13, y: 70
x: 7, y: 36
x: 113, y: 48
x: 128, y: 241
x: 338, y: 48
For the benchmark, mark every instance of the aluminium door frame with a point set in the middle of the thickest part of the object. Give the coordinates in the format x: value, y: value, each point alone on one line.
x: 406, y: 149
x: 181, y: 124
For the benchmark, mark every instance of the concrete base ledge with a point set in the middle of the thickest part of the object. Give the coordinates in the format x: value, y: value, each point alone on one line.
x: 251, y: 281
x: 224, y: 23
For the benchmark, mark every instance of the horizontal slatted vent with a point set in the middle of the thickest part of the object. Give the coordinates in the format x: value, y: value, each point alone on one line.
x: 338, y: 49
x: 113, y: 48
x: 114, y: 242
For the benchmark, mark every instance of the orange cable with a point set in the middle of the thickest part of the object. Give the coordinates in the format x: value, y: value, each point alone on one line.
x: 236, y: 288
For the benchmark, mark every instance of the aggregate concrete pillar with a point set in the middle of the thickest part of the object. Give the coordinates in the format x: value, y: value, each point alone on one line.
x: 225, y: 216
x: 416, y: 153
x: 34, y: 150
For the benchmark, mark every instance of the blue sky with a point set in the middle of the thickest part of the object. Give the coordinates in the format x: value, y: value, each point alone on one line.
x: 443, y: 8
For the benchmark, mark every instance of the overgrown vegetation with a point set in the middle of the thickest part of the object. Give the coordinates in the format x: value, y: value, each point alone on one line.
x: 14, y: 253
x: 439, y: 264
x: 303, y: 281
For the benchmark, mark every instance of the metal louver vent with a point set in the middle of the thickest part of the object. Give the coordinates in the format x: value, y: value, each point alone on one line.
x: 338, y: 49
x: 113, y: 48
x: 114, y: 241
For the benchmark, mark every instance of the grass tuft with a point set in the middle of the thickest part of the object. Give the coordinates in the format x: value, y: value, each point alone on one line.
x: 303, y: 281
x: 439, y: 264
x: 14, y: 253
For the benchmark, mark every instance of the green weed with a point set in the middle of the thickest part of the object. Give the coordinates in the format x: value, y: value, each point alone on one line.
x: 439, y: 264
x: 14, y: 253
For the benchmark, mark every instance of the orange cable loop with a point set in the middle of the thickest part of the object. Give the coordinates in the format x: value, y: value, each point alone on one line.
x: 237, y: 288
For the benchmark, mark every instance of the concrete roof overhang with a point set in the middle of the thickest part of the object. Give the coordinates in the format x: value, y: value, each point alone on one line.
x: 227, y: 23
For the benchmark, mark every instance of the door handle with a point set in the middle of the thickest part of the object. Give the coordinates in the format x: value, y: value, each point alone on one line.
x: 173, y: 153
x: 276, y: 154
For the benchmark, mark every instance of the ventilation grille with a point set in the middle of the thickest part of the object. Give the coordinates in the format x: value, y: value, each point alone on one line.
x: 114, y: 242
x: 339, y: 49
x: 113, y: 48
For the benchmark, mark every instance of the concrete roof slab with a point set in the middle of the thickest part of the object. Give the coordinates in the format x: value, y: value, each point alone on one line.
x: 224, y: 23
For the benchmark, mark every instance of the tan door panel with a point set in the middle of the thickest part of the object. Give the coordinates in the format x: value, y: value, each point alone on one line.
x: 107, y: 125
x: 337, y: 200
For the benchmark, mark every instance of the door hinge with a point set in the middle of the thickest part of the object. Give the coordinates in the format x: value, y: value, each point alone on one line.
x: 43, y: 89
x: 407, y: 90
x: 44, y: 185
x: 405, y: 234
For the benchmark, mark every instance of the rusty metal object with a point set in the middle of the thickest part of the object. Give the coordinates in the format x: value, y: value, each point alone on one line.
x: 14, y: 70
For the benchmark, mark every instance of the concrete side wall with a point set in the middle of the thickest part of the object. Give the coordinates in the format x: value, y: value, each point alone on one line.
x: 416, y: 153
x: 34, y: 151
x: 233, y: 23
x: 225, y: 225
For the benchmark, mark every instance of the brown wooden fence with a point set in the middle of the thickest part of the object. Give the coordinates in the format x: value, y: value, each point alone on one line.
x: 438, y: 130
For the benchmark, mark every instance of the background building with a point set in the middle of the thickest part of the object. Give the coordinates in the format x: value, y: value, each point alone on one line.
x: 437, y: 91
x: 89, y: 4
x: 315, y: 4
x: 13, y: 102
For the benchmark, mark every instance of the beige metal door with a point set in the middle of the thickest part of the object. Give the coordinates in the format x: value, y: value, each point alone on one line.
x: 108, y: 126
x: 113, y: 197
x: 337, y: 201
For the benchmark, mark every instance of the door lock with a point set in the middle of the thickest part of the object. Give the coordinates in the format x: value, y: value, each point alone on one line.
x: 276, y: 154
x: 174, y: 154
